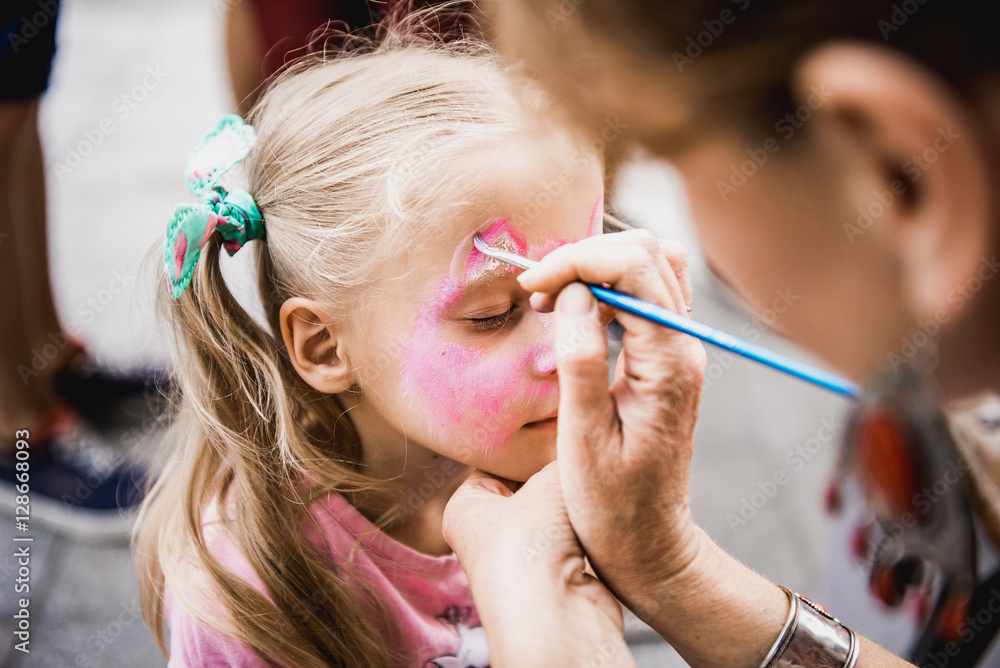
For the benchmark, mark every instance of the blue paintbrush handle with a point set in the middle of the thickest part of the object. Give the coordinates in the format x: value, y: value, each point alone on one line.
x: 717, y: 337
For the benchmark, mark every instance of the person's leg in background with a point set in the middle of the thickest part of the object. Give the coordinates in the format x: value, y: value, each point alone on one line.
x: 78, y: 481
x: 26, y: 306
x: 245, y: 51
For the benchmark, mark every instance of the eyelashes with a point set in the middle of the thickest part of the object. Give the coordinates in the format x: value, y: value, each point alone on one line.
x: 496, y: 322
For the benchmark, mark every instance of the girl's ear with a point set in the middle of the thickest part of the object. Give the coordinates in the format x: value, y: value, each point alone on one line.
x: 314, y: 345
x: 921, y: 186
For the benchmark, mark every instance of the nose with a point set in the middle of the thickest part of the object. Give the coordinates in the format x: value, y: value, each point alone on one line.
x: 544, y: 353
x: 545, y: 359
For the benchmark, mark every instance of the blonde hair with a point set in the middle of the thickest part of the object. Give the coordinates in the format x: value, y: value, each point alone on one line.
x: 351, y: 151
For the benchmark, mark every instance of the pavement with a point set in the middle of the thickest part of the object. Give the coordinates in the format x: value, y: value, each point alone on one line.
x: 135, y: 85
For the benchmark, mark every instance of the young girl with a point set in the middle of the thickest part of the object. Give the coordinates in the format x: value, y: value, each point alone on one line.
x: 299, y: 523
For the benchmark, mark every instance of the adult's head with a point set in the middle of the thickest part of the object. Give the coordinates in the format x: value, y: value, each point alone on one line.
x: 844, y: 150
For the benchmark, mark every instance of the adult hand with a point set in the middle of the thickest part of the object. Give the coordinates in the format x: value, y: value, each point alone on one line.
x: 625, y: 451
x: 526, y: 568
x: 624, y: 455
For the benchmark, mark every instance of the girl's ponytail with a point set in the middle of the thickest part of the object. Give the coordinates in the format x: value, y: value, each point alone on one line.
x: 251, y: 433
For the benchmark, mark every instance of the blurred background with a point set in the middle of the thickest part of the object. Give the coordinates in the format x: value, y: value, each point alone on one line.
x: 135, y: 84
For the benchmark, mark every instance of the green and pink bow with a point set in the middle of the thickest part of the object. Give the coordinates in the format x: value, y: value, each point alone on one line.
x: 233, y: 212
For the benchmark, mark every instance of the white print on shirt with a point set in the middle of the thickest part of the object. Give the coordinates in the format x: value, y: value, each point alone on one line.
x: 472, y: 651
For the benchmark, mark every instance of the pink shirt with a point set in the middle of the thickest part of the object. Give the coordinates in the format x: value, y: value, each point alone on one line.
x: 427, y: 597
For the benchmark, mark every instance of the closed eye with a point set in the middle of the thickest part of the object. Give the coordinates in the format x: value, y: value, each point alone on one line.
x: 493, y: 322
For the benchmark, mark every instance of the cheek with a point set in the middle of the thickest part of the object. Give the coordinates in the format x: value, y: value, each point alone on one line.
x: 470, y: 395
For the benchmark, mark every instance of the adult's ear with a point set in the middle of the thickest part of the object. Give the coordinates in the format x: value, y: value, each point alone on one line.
x: 315, y: 345
x: 920, y: 185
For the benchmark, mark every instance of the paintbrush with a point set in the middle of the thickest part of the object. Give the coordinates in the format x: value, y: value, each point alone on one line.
x: 706, y: 333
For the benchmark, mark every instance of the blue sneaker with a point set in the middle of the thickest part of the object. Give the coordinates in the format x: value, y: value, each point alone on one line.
x: 97, y: 391
x: 78, y: 485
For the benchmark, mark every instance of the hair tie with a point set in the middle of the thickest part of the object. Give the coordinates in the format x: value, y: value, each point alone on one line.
x: 233, y: 213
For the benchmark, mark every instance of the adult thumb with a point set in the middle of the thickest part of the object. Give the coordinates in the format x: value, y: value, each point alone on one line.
x: 586, y: 409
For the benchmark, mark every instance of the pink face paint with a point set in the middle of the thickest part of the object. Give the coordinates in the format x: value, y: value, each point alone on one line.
x: 502, y: 234
x: 596, y: 218
x: 545, y: 360
x: 468, y: 389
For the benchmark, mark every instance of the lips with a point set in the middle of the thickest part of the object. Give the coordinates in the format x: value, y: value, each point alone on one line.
x: 548, y: 424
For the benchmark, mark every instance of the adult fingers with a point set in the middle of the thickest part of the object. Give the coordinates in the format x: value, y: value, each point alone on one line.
x: 586, y: 409
x: 625, y: 260
x: 677, y: 257
x: 474, y: 502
